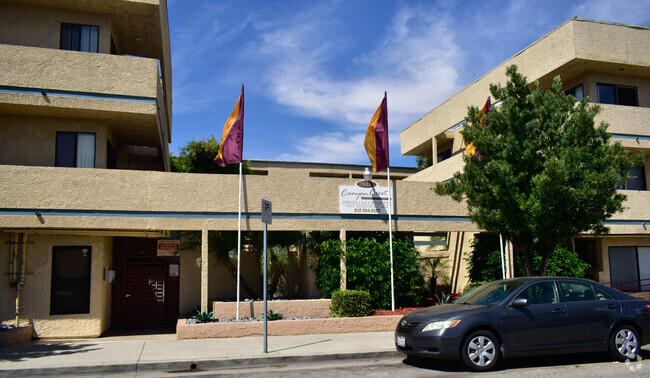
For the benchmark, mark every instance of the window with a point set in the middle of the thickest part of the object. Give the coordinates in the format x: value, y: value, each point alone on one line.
x: 75, y: 150
x: 637, y: 179
x: 79, y: 37
x: 579, y: 292
x: 577, y: 92
x: 540, y: 293
x: 617, y: 94
x: 629, y: 268
x: 70, y: 280
x: 586, y: 250
x: 444, y: 155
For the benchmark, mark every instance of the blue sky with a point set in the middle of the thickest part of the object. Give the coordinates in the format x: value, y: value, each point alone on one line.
x: 315, y: 71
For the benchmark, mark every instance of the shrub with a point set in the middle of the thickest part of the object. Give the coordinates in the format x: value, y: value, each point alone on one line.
x: 274, y: 315
x: 484, y: 262
x: 350, y: 303
x: 368, y: 269
x: 205, y: 317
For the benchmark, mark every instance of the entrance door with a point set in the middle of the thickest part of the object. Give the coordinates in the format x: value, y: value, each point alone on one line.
x: 145, y: 294
x: 143, y: 304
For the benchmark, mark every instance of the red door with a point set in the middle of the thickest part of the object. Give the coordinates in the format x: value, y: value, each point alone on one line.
x: 145, y: 295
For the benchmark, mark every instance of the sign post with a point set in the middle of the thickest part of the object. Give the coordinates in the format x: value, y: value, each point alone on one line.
x: 266, y: 219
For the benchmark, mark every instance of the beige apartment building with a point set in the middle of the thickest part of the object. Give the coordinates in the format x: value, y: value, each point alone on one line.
x: 610, y: 64
x: 89, y: 209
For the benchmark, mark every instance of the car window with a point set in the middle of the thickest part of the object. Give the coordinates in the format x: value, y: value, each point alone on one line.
x: 540, y: 293
x: 574, y: 291
x: 601, y: 295
x: 489, y: 294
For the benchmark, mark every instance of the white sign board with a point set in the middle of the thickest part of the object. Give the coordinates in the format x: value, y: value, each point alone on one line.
x: 365, y: 197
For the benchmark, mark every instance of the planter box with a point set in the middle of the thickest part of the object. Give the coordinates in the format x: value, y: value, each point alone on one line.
x: 18, y: 335
x: 287, y: 327
x: 255, y: 309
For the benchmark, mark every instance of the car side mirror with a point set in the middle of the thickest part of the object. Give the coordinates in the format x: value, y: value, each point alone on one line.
x: 519, y: 302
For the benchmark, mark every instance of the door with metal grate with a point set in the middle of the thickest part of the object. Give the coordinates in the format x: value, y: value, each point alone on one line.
x: 144, y: 302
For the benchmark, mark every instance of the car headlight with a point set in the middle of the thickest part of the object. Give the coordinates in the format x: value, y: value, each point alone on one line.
x: 440, y: 325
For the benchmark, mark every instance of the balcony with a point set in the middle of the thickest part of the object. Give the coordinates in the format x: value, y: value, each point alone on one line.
x: 125, y: 91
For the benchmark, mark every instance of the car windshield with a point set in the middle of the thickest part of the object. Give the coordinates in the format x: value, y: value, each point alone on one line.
x: 489, y: 294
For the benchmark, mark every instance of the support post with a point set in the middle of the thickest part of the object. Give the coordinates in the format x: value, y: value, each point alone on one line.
x: 343, y: 284
x: 204, y: 270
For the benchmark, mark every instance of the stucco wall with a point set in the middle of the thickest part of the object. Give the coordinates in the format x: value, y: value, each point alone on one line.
x: 32, y: 140
x: 7, y: 292
x: 135, y: 200
x: 35, y: 298
x: 41, y: 27
x: 600, y: 52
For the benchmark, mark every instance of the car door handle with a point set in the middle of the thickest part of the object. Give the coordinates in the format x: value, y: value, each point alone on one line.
x: 612, y: 307
x: 559, y: 311
x: 128, y: 296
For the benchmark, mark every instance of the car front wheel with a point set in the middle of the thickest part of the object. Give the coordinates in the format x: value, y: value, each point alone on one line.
x: 624, y: 343
x: 480, y: 351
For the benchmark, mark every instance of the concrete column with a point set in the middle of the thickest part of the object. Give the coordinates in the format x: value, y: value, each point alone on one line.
x: 204, y: 270
x: 434, y: 150
x: 344, y: 274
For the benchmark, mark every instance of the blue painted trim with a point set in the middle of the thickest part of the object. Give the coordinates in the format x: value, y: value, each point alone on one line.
x: 76, y: 94
x: 625, y: 222
x: 631, y: 136
x: 223, y: 215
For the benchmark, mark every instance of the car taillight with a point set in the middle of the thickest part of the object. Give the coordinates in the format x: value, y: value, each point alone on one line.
x: 647, y: 306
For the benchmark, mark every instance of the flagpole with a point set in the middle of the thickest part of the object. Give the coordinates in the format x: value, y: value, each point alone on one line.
x: 239, y: 240
x: 390, y: 240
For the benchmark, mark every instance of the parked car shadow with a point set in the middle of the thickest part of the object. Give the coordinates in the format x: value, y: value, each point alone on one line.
x: 522, y: 362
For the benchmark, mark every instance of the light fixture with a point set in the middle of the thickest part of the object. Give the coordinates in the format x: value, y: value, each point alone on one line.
x: 367, y: 174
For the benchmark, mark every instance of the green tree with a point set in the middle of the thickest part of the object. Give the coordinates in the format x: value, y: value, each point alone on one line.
x: 223, y: 246
x: 484, y: 262
x: 198, y: 157
x: 543, y: 171
x: 368, y: 269
x: 424, y: 162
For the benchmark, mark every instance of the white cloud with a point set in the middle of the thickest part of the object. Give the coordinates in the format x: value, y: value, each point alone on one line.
x: 337, y: 147
x: 416, y: 62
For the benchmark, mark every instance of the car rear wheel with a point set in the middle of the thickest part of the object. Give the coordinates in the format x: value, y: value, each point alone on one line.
x: 480, y: 351
x: 624, y: 343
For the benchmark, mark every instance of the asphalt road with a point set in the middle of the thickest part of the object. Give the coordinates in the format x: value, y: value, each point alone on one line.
x: 576, y: 365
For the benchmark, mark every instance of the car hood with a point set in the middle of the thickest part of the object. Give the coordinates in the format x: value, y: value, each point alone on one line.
x: 444, y: 311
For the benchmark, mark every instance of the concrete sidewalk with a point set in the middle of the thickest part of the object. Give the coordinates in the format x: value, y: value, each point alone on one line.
x: 137, y: 354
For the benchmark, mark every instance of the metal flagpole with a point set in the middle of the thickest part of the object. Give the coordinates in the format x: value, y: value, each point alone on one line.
x: 239, y: 240
x: 390, y: 240
x: 503, y: 266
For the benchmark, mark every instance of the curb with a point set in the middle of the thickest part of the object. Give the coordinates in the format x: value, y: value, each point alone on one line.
x: 192, y: 366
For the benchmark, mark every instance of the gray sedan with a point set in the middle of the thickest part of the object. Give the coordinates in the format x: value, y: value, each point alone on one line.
x: 527, y: 316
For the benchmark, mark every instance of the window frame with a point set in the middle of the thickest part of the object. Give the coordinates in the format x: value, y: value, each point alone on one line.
x: 72, y: 35
x: 572, y: 92
x: 82, y: 282
x: 616, y: 88
x: 62, y: 153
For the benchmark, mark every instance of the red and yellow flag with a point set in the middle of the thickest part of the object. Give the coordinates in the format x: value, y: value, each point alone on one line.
x: 232, y: 137
x: 376, y: 141
x: 470, y: 149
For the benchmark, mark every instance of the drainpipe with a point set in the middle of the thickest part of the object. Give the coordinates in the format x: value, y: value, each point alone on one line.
x: 21, y: 281
x: 12, y: 259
